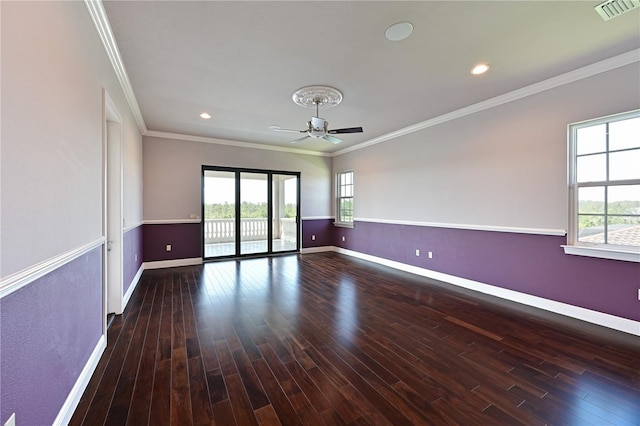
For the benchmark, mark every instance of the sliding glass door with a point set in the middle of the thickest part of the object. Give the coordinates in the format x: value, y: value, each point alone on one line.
x: 249, y: 212
x: 219, y: 213
x: 284, y: 193
x: 254, y: 213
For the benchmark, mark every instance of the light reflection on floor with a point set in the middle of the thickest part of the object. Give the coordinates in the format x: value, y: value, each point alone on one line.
x: 246, y: 247
x: 347, y: 308
x: 263, y: 289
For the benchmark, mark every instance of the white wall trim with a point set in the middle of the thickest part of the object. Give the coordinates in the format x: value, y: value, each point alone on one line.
x: 169, y: 221
x: 19, y: 279
x: 320, y: 249
x: 131, y: 227
x: 132, y: 287
x: 159, y: 264
x: 251, y: 145
x: 551, y: 83
x: 515, y: 230
x: 101, y: 22
x: 318, y: 217
x: 71, y: 403
x: 588, y: 315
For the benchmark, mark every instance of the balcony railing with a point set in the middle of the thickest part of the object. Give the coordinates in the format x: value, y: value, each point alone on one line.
x: 223, y: 230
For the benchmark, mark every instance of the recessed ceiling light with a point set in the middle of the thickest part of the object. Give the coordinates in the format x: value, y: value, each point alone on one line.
x: 399, y: 31
x: 205, y: 115
x: 480, y: 69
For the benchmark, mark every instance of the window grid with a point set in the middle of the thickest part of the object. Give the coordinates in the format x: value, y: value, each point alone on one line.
x: 607, y: 217
x: 344, y: 202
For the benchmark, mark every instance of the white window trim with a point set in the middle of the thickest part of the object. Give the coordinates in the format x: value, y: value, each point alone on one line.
x: 338, y: 197
x: 602, y: 253
x: 573, y: 246
x: 343, y: 224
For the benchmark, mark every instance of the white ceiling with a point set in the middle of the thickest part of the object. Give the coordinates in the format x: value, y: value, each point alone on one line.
x: 241, y: 61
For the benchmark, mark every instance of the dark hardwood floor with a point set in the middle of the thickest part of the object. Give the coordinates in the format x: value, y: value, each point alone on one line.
x: 327, y: 339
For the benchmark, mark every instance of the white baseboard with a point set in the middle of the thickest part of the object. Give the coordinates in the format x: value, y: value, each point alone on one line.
x: 132, y: 287
x: 317, y: 249
x: 71, y: 403
x: 159, y: 264
x: 588, y: 315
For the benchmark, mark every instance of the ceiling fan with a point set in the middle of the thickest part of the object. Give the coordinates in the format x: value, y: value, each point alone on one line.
x: 319, y: 128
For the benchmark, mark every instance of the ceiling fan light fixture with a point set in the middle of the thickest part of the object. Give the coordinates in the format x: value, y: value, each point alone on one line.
x: 398, y: 31
x: 480, y: 69
x: 317, y: 128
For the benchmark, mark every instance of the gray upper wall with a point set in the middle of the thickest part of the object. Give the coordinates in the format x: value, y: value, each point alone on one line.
x: 502, y: 167
x: 172, y: 175
x: 54, y: 69
x: 505, y: 166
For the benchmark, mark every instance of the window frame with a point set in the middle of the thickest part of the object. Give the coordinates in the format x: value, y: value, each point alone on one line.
x: 339, y: 221
x: 583, y: 248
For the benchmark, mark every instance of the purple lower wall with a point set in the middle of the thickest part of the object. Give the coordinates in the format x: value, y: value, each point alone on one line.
x: 527, y: 263
x: 532, y: 264
x: 323, y: 229
x: 184, y: 239
x: 48, y: 330
x: 132, y: 256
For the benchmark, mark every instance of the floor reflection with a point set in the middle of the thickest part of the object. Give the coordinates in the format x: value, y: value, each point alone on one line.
x: 347, y: 309
x: 246, y: 247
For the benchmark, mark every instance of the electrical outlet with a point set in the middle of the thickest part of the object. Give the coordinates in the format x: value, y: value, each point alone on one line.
x: 430, y: 255
x: 417, y: 252
x: 313, y: 238
x: 11, y: 421
x: 343, y: 238
x: 135, y: 258
x: 639, y: 294
x: 168, y: 247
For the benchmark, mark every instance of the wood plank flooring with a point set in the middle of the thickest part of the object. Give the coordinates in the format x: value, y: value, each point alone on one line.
x: 327, y: 339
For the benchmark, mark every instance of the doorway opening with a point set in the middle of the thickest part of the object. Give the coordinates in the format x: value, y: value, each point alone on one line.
x: 112, y: 211
x: 249, y: 212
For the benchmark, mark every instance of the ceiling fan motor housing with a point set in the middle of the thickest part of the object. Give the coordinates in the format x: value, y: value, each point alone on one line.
x: 317, y: 127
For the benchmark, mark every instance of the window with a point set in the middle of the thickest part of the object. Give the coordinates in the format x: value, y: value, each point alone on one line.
x: 604, y: 170
x: 344, y: 199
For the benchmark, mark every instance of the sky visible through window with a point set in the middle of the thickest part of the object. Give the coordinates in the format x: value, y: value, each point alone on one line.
x: 592, y: 145
x: 219, y: 190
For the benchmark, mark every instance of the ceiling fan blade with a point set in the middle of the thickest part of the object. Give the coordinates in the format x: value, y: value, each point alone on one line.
x: 300, y: 139
x: 332, y: 139
x: 280, y: 129
x: 345, y: 130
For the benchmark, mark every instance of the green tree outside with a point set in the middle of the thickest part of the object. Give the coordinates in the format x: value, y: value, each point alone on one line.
x: 591, y: 213
x: 247, y: 210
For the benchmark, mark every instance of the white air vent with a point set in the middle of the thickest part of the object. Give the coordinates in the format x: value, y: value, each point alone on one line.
x: 614, y: 8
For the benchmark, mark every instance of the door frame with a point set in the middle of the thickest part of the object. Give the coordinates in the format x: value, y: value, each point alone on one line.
x: 112, y: 215
x: 237, y: 173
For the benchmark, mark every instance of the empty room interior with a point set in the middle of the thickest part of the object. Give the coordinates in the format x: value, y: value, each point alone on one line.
x: 320, y: 212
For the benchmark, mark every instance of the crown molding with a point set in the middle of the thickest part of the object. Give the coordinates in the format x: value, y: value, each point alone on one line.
x: 182, y: 137
x: 551, y: 83
x: 101, y: 22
